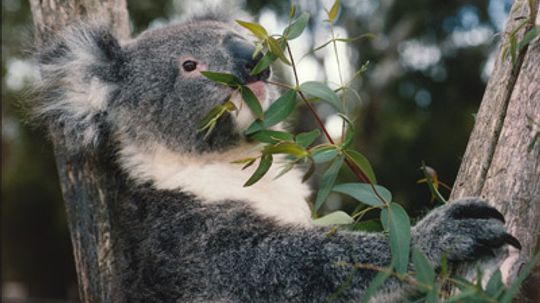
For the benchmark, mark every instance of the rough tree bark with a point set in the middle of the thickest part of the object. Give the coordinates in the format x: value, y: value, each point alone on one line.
x: 89, y: 185
x: 502, y: 160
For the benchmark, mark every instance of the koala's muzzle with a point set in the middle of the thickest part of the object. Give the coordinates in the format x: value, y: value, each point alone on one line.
x: 244, y: 62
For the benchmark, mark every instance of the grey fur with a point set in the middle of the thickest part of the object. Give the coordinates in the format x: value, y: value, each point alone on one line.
x: 179, y: 248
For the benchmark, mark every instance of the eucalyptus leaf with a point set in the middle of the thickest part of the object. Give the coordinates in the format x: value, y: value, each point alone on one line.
x: 424, y: 271
x: 252, y: 102
x: 286, y: 168
x: 323, y: 92
x: 324, y: 155
x: 309, y: 172
x: 396, y: 221
x: 495, y: 285
x: 332, y: 14
x: 364, y: 193
x: 262, y: 169
x: 466, y: 293
x: 265, y: 62
x: 209, y: 121
x: 306, y: 139
x: 280, y: 109
x: 292, y: 11
x: 297, y: 27
x: 272, y: 136
x: 368, y: 225
x: 222, y: 78
x: 375, y: 285
x: 289, y: 148
x: 334, y: 218
x: 528, y: 37
x: 327, y: 182
x: 362, y: 162
x: 432, y: 294
x: 257, y: 30
x: 275, y: 48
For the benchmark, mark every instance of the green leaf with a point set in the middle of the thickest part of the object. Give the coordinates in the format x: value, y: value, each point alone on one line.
x: 444, y: 265
x: 305, y: 139
x: 349, y: 134
x: 222, y: 78
x: 530, y: 35
x: 332, y: 14
x: 364, y: 193
x: 433, y: 294
x: 289, y: 148
x: 280, y: 109
x: 275, y: 48
x: 246, y: 161
x: 252, y: 102
x: 495, y: 285
x: 396, y: 221
x: 361, y: 162
x: 243, y: 161
x: 375, y: 285
x: 424, y: 271
x: 254, y: 127
x: 272, y: 136
x: 337, y: 217
x: 208, y: 122
x: 324, y: 154
x: 297, y: 27
x: 464, y: 294
x: 368, y: 225
x: 262, y: 169
x: 323, y: 92
x: 327, y: 182
x: 265, y: 62
x: 286, y: 168
x: 309, y: 172
x: 255, y: 28
x: 513, y: 49
x: 292, y: 11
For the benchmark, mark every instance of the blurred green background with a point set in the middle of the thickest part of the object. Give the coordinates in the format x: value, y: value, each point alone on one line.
x: 429, y: 64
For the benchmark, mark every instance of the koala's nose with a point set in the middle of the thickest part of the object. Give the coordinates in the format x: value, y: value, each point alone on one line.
x: 244, y: 62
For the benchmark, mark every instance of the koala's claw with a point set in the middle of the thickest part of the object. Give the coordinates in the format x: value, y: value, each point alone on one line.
x: 476, y: 209
x: 464, y: 230
x: 511, y: 240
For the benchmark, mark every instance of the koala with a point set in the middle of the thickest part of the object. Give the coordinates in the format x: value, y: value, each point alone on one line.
x: 190, y: 231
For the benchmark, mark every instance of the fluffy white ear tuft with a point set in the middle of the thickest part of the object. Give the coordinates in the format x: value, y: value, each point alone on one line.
x: 79, y: 70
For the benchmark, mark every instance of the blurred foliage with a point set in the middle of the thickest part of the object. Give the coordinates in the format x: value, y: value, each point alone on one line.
x: 408, y: 113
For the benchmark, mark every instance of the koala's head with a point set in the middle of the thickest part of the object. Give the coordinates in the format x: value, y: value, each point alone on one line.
x: 149, y: 90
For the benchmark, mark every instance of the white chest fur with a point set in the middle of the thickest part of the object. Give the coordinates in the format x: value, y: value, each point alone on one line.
x: 213, y: 178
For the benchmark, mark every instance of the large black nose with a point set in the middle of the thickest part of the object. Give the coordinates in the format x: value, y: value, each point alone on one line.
x: 244, y: 62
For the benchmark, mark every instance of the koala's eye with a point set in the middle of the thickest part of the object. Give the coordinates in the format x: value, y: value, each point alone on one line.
x: 189, y: 65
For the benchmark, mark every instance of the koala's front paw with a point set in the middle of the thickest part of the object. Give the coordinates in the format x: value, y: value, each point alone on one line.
x: 465, y: 230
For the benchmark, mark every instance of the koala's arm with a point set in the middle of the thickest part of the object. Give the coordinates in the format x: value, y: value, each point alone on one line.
x: 211, y: 252
x: 312, y: 265
x: 297, y: 265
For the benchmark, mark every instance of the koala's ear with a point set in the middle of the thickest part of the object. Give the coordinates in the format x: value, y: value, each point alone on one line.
x: 80, y: 71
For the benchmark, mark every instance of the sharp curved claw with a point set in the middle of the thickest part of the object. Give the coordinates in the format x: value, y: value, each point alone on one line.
x: 511, y: 240
x: 478, y: 211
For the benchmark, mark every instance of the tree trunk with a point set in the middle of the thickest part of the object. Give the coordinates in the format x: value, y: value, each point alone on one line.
x: 89, y: 185
x: 502, y: 160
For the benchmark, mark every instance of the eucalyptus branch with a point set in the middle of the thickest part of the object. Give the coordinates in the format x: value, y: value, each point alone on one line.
x: 357, y: 171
